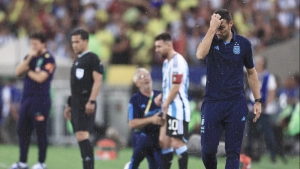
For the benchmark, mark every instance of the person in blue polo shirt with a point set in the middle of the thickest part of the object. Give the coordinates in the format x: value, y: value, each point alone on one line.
x: 145, y: 121
x: 224, y: 106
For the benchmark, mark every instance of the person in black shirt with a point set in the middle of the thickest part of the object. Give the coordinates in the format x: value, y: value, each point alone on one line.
x: 86, y: 80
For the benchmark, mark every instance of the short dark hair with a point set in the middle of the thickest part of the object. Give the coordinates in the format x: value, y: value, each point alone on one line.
x: 39, y: 36
x: 224, y: 14
x: 163, y: 36
x: 83, y: 34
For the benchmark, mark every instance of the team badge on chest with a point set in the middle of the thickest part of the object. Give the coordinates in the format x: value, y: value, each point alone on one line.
x: 79, y: 73
x: 236, y: 49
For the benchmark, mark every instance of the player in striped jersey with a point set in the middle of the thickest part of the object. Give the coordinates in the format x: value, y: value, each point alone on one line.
x: 175, y: 107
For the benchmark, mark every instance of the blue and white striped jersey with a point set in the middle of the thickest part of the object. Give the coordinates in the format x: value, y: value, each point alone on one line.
x: 176, y: 71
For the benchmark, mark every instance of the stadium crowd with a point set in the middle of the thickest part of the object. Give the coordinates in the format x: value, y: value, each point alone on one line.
x: 122, y: 31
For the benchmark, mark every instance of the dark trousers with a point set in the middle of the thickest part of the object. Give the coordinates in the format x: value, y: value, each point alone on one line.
x: 254, y: 130
x: 33, y: 115
x: 145, y: 146
x: 216, y: 117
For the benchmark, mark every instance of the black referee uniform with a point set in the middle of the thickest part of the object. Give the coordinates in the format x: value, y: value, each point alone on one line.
x: 81, y: 88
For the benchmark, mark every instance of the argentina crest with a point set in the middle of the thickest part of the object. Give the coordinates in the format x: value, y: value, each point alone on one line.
x: 236, y: 49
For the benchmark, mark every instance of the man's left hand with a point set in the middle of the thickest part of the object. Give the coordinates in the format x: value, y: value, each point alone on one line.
x: 89, y: 108
x: 156, y: 119
x: 257, y: 111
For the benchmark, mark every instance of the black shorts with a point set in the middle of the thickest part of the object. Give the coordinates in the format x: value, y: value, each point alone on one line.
x: 177, y: 128
x: 79, y: 119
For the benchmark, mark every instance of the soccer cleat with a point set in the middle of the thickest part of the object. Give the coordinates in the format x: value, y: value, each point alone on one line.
x: 17, y: 165
x: 39, y: 166
x: 127, y: 165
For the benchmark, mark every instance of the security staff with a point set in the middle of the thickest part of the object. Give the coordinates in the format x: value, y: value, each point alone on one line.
x: 86, y: 80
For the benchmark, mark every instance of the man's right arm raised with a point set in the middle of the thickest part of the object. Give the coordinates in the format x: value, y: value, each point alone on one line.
x: 24, y: 65
x: 204, y: 46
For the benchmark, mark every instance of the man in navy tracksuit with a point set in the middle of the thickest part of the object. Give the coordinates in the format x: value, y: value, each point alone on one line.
x: 145, y: 120
x: 224, y: 106
x: 38, y: 67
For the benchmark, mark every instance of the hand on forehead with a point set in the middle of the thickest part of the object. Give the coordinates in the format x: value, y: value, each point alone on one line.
x: 223, y: 22
x: 217, y: 15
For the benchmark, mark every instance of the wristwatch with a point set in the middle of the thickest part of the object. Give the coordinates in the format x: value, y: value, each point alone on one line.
x: 258, y: 100
x: 92, y: 101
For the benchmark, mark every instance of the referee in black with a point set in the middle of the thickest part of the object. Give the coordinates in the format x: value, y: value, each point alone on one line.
x: 86, y: 80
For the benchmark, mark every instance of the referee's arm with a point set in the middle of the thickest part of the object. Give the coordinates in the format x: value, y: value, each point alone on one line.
x: 96, y: 85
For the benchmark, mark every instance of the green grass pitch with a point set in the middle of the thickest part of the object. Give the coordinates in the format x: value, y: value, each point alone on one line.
x: 59, y: 157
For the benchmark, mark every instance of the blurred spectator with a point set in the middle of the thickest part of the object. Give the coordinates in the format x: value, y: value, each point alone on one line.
x: 297, y: 23
x: 268, y: 92
x: 103, y: 4
x: 57, y: 41
x: 288, y: 119
x: 262, y: 30
x: 265, y: 6
x: 264, y: 22
x: 5, y: 34
x: 289, y: 98
x: 75, y: 10
x: 286, y: 12
x: 11, y: 98
x: 104, y: 37
x: 195, y: 123
x: 141, y: 44
x: 1, y: 106
x: 280, y: 33
x: 193, y: 41
x: 121, y: 51
x: 293, y: 126
x: 289, y: 94
x: 89, y: 12
x: 156, y: 24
